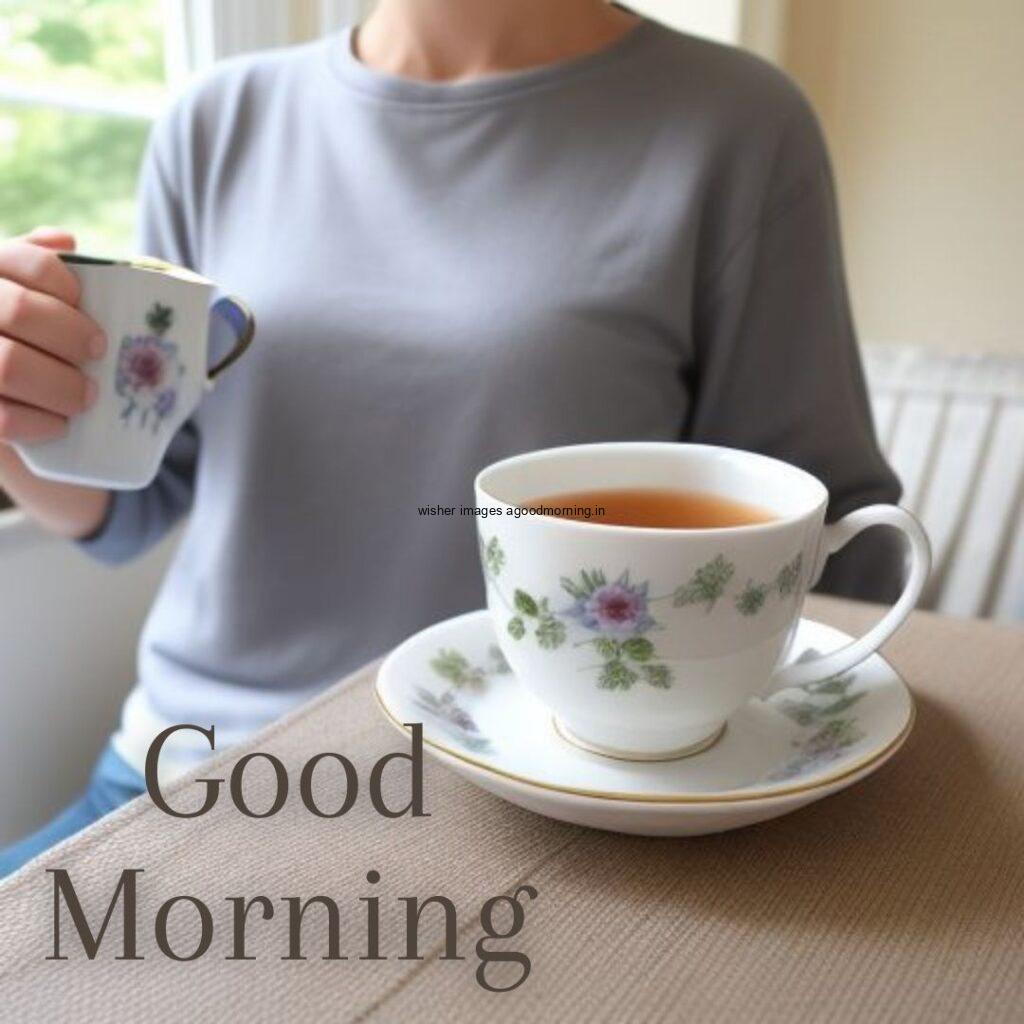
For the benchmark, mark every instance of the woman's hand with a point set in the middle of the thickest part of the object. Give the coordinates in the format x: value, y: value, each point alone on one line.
x: 44, y: 339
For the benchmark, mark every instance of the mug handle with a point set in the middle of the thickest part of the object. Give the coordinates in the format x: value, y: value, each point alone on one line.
x: 834, y: 537
x: 241, y: 321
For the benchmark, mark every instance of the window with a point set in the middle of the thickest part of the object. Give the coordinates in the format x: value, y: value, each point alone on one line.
x: 80, y: 81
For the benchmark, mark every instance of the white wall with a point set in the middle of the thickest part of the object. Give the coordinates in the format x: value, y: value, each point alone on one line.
x: 922, y: 103
x: 68, y: 633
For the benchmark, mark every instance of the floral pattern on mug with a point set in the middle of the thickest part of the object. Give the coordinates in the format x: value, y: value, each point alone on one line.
x: 750, y: 600
x: 629, y: 661
x: 709, y: 582
x: 788, y: 576
x: 536, y: 614
x: 149, y: 371
x: 619, y: 612
x: 706, y: 585
x: 492, y: 555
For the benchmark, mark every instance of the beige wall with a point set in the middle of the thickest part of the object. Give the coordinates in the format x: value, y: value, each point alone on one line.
x: 923, y: 105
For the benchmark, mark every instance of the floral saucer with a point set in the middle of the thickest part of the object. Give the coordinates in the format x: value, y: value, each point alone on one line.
x: 774, y: 756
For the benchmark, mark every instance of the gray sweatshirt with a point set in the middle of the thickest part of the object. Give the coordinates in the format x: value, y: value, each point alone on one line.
x: 637, y: 244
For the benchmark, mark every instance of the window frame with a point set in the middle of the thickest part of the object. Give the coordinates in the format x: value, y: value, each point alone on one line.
x: 108, y: 102
x: 198, y: 33
x: 201, y: 32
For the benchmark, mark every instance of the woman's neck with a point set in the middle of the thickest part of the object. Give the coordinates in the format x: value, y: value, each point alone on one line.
x: 454, y: 40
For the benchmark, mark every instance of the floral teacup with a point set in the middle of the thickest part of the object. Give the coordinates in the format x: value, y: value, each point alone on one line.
x: 160, y: 327
x: 641, y: 640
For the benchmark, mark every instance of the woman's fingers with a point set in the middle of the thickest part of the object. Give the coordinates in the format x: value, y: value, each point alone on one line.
x: 23, y: 423
x: 43, y: 338
x: 36, y: 379
x: 37, y: 267
x: 48, y: 323
x: 52, y: 238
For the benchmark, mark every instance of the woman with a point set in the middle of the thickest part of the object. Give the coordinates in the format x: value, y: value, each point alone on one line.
x: 466, y: 230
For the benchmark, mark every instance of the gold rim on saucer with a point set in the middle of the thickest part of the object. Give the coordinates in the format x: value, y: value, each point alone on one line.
x: 727, y: 796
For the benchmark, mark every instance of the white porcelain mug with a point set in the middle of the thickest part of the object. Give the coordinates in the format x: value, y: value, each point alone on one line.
x: 161, y: 326
x: 643, y: 641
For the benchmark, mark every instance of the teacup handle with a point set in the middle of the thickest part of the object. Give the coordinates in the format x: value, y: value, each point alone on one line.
x: 834, y: 537
x: 239, y: 317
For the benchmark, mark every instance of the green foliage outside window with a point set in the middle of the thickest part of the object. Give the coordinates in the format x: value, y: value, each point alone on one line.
x: 67, y: 168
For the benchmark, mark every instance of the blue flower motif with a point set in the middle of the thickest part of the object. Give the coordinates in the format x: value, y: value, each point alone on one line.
x: 165, y: 402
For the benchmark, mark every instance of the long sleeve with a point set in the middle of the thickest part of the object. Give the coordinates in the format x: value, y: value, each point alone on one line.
x: 777, y: 369
x: 136, y: 520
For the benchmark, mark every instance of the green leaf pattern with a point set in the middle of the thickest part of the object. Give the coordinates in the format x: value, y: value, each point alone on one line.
x: 535, y: 614
x: 658, y: 676
x: 446, y: 708
x: 550, y: 632
x: 453, y: 666
x: 810, y: 709
x: 159, y: 318
x: 751, y: 599
x: 788, y: 576
x: 456, y: 668
x: 492, y: 555
x: 706, y: 585
x: 615, y: 674
x: 817, y: 709
x: 624, y: 661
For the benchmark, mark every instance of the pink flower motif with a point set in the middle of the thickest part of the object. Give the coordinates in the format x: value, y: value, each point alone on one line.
x: 616, y: 609
x: 143, y: 366
x: 148, y: 373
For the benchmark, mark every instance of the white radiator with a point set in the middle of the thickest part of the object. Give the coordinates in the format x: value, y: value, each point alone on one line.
x: 953, y: 429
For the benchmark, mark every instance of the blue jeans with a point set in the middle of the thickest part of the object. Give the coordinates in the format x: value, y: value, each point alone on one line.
x: 113, y: 782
